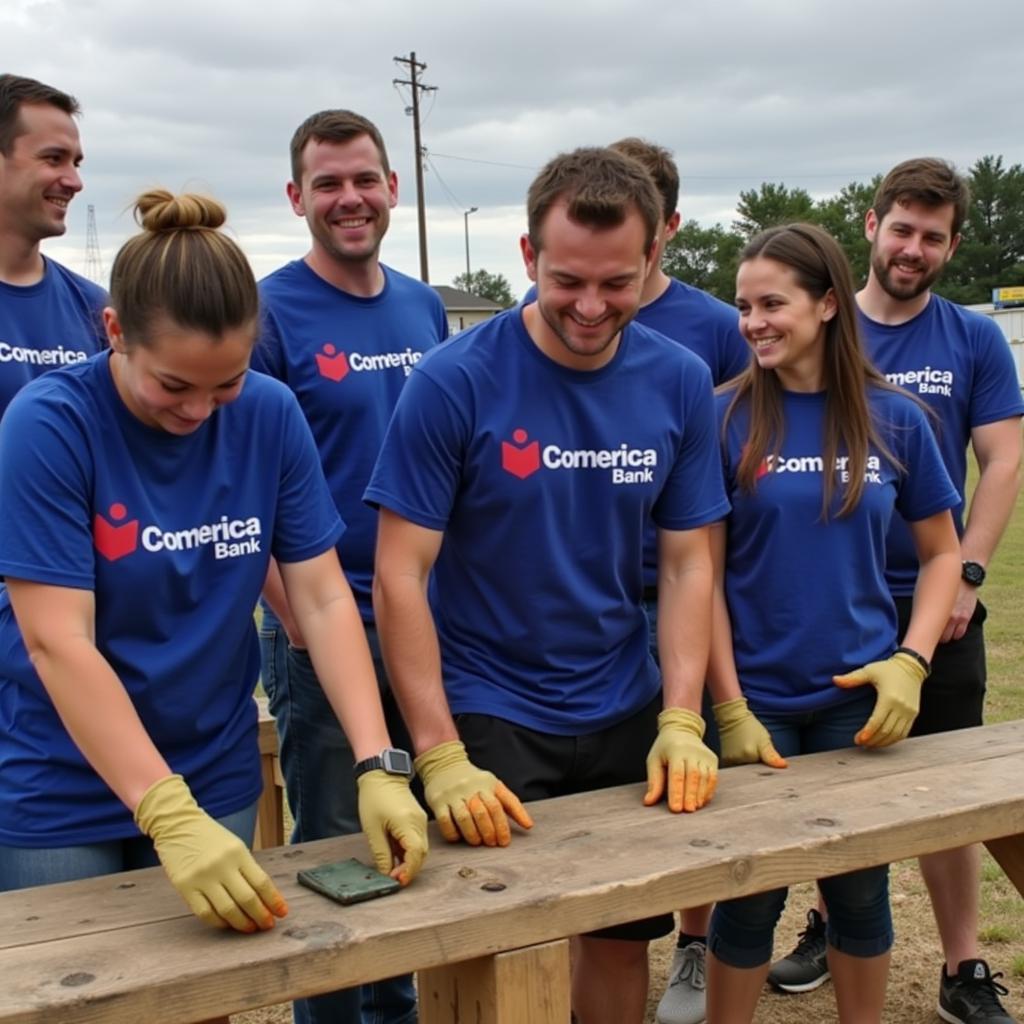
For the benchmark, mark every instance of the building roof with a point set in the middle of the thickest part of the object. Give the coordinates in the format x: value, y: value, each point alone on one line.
x: 454, y: 300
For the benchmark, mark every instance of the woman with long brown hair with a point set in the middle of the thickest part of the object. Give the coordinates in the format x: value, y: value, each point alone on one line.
x: 819, y: 453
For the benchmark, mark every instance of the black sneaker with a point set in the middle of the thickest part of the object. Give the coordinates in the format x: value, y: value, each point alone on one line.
x: 806, y: 967
x: 971, y: 996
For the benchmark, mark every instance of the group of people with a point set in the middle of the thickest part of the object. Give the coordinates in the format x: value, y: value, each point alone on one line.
x: 609, y: 536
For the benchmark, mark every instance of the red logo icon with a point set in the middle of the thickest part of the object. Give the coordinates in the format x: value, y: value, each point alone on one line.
x: 114, y: 542
x: 520, y: 459
x: 332, y: 364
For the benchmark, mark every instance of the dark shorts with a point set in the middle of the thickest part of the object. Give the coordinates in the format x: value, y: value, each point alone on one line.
x: 953, y: 696
x: 536, y: 765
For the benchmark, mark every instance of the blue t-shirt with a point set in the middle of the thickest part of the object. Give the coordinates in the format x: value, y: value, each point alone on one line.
x: 346, y: 359
x: 543, y: 479
x: 173, y: 535
x: 58, y: 321
x: 807, y: 598
x: 959, y: 363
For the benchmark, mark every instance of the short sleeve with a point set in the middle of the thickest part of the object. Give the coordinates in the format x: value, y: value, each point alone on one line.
x: 45, y: 501
x: 995, y: 394
x: 420, y: 463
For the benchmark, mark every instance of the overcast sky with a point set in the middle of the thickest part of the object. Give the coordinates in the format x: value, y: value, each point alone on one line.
x: 813, y: 93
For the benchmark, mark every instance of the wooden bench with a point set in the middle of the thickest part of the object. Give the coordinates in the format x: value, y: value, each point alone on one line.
x: 486, y: 928
x: 270, y: 815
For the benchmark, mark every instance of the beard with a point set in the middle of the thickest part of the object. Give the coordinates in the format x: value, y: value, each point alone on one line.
x: 903, y: 292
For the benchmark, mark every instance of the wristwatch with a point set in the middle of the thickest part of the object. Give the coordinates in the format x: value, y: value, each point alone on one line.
x: 973, y: 573
x: 391, y: 760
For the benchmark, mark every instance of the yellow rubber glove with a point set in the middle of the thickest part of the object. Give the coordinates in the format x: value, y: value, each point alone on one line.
x: 207, y: 864
x: 678, y: 752
x: 898, y: 681
x: 394, y: 824
x: 744, y: 739
x: 466, y: 800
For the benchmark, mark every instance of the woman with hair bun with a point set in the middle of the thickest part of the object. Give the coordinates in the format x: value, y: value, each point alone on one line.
x: 145, y: 491
x: 819, y: 453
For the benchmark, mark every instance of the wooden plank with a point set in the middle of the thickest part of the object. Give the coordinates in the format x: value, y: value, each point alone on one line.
x: 93, y: 951
x: 522, y: 986
x: 270, y: 812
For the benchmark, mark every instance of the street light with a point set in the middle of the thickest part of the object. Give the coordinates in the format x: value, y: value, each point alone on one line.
x: 465, y: 219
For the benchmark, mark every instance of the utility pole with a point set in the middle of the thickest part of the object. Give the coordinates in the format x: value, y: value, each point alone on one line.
x: 93, y: 259
x: 465, y: 218
x: 415, y: 67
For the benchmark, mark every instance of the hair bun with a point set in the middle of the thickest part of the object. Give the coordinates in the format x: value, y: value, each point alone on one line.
x: 159, y: 210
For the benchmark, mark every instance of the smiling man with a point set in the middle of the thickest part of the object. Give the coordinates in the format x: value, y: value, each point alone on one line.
x: 521, y: 467
x: 343, y: 331
x: 49, y: 316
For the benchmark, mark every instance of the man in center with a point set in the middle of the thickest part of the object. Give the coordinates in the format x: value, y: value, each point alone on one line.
x: 514, y: 484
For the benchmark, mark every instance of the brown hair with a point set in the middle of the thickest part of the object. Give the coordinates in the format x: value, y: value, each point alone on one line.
x: 181, y: 267
x: 819, y: 265
x: 16, y: 91
x: 927, y: 180
x: 659, y: 165
x: 334, y: 126
x: 599, y: 188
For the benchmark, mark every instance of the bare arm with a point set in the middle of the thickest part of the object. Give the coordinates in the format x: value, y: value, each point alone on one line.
x: 938, y: 553
x: 997, y: 447
x: 723, y: 680
x: 684, y: 614
x: 405, y: 555
x: 275, y: 596
x: 58, y: 628
x: 327, y: 617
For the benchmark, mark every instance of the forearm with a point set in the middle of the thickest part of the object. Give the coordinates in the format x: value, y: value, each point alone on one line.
x: 684, y: 624
x: 991, y: 508
x: 934, y: 595
x: 276, y: 597
x: 413, y: 658
x: 99, y: 716
x: 723, y: 680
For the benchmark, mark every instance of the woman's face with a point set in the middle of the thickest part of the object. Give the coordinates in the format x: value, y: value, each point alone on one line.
x: 181, y: 375
x: 782, y: 323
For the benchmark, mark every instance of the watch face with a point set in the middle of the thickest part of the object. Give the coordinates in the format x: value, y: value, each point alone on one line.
x: 396, y: 762
x: 973, y: 573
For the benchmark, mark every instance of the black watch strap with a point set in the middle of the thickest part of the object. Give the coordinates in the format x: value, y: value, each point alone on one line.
x: 919, y: 658
x: 391, y: 760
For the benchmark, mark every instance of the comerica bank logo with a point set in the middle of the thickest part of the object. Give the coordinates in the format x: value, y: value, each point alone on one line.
x: 336, y: 366
x: 59, y: 356
x: 522, y: 458
x: 119, y: 536
x: 816, y: 464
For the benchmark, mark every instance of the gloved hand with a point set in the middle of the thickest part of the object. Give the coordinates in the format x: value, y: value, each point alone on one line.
x: 207, y: 864
x: 898, y: 680
x: 477, y: 801
x: 744, y: 739
x: 677, y: 751
x: 394, y: 824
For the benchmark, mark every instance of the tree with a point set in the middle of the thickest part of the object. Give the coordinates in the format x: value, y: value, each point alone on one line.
x: 771, y: 204
x: 486, y: 286
x: 991, y: 252
x: 842, y: 216
x: 705, y: 258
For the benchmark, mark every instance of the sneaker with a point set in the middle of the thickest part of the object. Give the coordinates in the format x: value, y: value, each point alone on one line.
x: 807, y: 966
x: 971, y: 996
x: 683, y: 1001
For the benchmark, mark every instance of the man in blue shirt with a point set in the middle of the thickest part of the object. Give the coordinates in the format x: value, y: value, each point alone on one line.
x: 958, y: 363
x: 343, y: 331
x: 521, y: 467
x: 49, y: 316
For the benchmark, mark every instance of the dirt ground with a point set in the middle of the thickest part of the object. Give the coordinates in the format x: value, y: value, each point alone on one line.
x: 913, y: 983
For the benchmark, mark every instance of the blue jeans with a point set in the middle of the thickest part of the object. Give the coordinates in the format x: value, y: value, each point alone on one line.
x: 317, y: 761
x: 21, y: 868
x: 859, y: 917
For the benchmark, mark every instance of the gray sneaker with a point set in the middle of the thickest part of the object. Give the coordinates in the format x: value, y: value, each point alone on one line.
x: 683, y: 1001
x: 971, y: 996
x: 807, y: 966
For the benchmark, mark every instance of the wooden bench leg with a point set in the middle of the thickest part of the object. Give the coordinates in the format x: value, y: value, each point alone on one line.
x: 270, y: 810
x: 523, y: 986
x: 1009, y: 852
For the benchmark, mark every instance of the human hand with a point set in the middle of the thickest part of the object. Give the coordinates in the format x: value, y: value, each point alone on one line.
x: 394, y: 824
x: 963, y: 612
x: 211, y: 868
x: 898, y: 681
x: 744, y: 739
x: 466, y: 800
x: 678, y: 752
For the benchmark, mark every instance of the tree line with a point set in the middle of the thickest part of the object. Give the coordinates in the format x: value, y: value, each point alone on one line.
x: 991, y: 252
